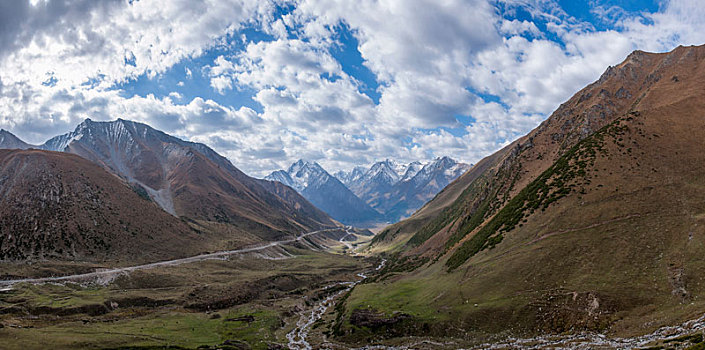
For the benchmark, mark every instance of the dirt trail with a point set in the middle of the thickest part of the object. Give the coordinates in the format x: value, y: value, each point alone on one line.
x: 107, y: 273
x: 343, y: 241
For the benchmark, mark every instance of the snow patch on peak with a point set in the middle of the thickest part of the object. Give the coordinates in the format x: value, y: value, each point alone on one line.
x: 352, y: 176
x: 59, y: 143
x: 399, y: 168
x: 385, y: 171
x: 119, y: 131
x: 411, y: 170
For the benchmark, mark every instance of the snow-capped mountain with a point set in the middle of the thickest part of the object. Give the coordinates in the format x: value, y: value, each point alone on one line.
x: 327, y: 193
x: 349, y: 177
x: 283, y: 177
x: 409, y: 195
x: 397, y: 189
x: 377, y: 180
x: 307, y: 175
x: 411, y: 170
x: 436, y: 173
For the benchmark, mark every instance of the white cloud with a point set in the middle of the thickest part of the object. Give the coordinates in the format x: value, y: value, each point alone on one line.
x: 92, y: 40
x: 517, y: 27
x: 175, y: 95
x: 221, y: 84
x: 300, y: 87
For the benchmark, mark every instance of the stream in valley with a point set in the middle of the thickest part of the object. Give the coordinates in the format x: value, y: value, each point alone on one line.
x: 297, y: 337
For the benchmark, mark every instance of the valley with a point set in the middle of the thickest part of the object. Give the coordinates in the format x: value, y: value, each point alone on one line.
x: 367, y: 175
x: 550, y: 242
x: 251, y: 297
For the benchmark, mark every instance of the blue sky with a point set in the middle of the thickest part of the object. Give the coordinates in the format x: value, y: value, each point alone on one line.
x: 339, y: 82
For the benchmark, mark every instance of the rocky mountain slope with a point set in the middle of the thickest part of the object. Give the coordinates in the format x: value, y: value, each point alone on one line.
x: 10, y: 141
x: 189, y: 179
x: 61, y: 206
x: 592, y: 221
x: 327, y: 193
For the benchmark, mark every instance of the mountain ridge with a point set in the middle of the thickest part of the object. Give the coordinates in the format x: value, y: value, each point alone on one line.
x: 391, y: 190
x: 398, y: 190
x: 189, y: 179
x: 590, y: 222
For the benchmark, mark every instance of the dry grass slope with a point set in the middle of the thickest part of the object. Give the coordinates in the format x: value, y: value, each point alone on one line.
x: 593, y: 221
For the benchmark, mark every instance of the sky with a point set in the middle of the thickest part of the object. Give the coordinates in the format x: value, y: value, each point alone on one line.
x: 340, y: 82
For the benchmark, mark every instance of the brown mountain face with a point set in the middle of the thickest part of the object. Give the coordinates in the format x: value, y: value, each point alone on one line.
x: 490, y: 184
x: 61, y: 206
x: 189, y: 179
x: 298, y: 203
x: 594, y: 220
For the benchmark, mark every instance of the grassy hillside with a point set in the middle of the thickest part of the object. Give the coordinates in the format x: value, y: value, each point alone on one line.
x: 593, y: 221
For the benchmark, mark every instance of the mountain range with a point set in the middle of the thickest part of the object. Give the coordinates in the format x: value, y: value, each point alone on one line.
x: 327, y: 193
x: 185, y: 179
x: 594, y: 221
x: 387, y: 191
x: 398, y: 190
